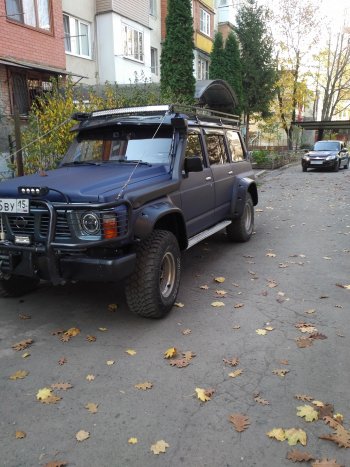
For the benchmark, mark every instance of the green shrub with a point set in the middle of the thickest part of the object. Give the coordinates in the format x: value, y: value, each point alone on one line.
x: 260, y: 156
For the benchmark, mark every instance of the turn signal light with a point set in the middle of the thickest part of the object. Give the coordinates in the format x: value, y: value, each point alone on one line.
x: 110, y: 226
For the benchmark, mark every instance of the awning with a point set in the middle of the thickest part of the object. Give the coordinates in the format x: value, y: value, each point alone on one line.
x: 37, y: 67
x: 323, y: 125
x: 217, y: 94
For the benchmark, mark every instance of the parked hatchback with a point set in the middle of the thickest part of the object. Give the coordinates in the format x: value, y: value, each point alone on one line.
x: 326, y: 154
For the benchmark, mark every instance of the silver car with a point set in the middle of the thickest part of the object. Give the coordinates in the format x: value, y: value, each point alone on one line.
x: 330, y: 154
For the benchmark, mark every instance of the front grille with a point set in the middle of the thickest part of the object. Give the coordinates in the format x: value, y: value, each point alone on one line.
x: 37, y: 224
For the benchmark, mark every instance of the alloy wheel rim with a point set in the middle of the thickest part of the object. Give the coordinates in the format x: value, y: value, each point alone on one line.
x: 167, y: 275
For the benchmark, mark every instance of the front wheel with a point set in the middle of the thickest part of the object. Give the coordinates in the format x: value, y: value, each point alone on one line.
x: 16, y: 286
x: 304, y: 168
x: 240, y: 230
x: 336, y: 167
x: 152, y: 289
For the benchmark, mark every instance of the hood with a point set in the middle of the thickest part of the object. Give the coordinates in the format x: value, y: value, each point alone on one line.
x: 322, y: 153
x: 88, y: 183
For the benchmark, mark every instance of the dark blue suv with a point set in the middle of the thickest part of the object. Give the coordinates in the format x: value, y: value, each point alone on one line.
x: 137, y: 186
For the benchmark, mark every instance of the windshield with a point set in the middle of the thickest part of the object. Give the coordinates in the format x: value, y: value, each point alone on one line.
x: 327, y: 146
x: 119, y: 147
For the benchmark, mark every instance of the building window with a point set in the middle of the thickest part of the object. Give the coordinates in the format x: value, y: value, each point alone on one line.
x: 153, y: 7
x: 154, y: 61
x: 27, y: 87
x: 205, y: 22
x: 133, y: 43
x: 76, y: 36
x: 34, y: 13
x: 203, y: 69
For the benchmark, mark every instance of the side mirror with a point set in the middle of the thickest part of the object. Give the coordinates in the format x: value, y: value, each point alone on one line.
x: 193, y: 164
x: 306, y: 150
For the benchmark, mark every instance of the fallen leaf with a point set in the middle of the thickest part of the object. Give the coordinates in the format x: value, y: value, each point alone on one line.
x: 271, y: 255
x: 220, y: 280
x: 311, y: 311
x: 217, y: 304
x: 201, y: 395
x: 185, y: 332
x: 179, y: 363
x: 91, y: 407
x: 179, y: 304
x: 261, y: 332
x: 159, y: 447
x: 26, y: 355
x: 131, y: 352
x: 72, y: 332
x: 272, y: 284
x: 280, y: 372
x: 304, y: 342
x: 307, y: 412
x: 188, y: 355
x: 90, y: 377
x: 231, y: 361
x: 343, y: 286
x: 327, y: 463
x: 325, y: 411
x: 132, y: 440
x: 56, y: 464
x: 43, y: 393
x: 326, y: 257
x: 110, y: 362
x: 103, y: 329
x: 204, y: 287
x: 239, y: 421
x: 308, y: 329
x: 91, y: 338
x: 236, y: 373
x: 299, y: 456
x: 53, y: 399
x: 170, y: 353
x: 20, y: 434
x: 62, y: 361
x: 284, y: 362
x: 261, y: 401
x: 303, y: 397
x: 318, y: 403
x: 283, y: 265
x: 295, y: 436
x: 144, y: 386
x: 20, y: 374
x: 236, y: 327
x: 221, y: 293
x: 340, y: 436
x: 23, y: 344
x: 61, y: 386
x: 82, y: 435
x: 23, y: 316
x: 238, y: 305
x: 277, y: 433
x: 112, y: 307
x: 269, y: 328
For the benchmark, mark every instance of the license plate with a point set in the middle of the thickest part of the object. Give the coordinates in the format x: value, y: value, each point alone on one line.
x: 14, y: 205
x: 316, y: 162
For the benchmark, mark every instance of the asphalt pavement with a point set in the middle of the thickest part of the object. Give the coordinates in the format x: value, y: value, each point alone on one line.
x: 260, y: 329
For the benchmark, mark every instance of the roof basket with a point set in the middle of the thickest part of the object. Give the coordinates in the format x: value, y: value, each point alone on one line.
x: 203, y: 113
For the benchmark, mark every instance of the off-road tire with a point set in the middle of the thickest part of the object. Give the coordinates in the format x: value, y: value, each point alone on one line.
x: 304, y: 168
x: 151, y: 290
x: 17, y: 286
x: 240, y: 230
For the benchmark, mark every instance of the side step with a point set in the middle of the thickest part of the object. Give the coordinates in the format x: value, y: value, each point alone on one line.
x: 207, y: 233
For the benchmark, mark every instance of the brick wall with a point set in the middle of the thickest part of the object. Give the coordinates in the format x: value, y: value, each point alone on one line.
x: 31, y: 45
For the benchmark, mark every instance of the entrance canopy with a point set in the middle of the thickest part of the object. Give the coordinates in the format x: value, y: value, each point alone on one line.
x: 217, y: 94
x: 324, y: 125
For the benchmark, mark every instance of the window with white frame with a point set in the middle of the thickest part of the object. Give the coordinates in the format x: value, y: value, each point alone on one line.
x: 133, y: 43
x: 204, y: 22
x: 34, y: 13
x: 203, y: 69
x: 154, y: 61
x: 76, y: 36
x: 153, y: 7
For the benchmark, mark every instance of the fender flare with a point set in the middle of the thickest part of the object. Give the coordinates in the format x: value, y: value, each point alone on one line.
x: 241, y: 187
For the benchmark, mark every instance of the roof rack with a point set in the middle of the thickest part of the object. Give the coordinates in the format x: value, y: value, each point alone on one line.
x: 198, y: 113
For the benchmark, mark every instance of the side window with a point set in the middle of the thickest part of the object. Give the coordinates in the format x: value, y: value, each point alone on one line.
x: 194, y: 147
x: 216, y: 149
x: 235, y: 146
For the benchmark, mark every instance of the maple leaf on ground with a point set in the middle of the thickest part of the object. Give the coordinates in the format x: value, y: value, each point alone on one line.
x: 307, y: 412
x: 61, y: 386
x: 303, y: 342
x: 204, y: 287
x: 23, y: 344
x: 317, y: 336
x: 220, y: 280
x: 236, y: 373
x: 132, y: 440
x: 90, y: 378
x: 179, y: 363
x: 343, y: 286
x: 82, y: 435
x: 53, y: 399
x: 272, y: 284
x: 303, y: 397
x: 185, y: 332
x: 299, y: 456
x: 318, y: 403
x: 131, y: 352
x: 201, y: 395
x: 170, y: 353
x: 277, y: 433
x: 217, y: 304
x: 91, y: 407
x: 188, y: 355
x: 340, y: 436
x: 295, y: 436
x: 144, y: 386
x: 110, y: 362
x: 239, y: 421
x: 280, y: 372
x: 238, y: 305
x: 261, y: 332
x: 231, y: 361
x: 159, y: 447
x: 327, y: 463
x: 179, y: 304
x: 221, y: 293
x: 261, y: 401
x: 44, y: 393
x: 20, y: 374
x: 62, y: 361
x: 103, y: 329
x: 20, y: 434
x: 91, y: 338
x: 271, y: 255
x: 112, y: 307
x: 325, y: 411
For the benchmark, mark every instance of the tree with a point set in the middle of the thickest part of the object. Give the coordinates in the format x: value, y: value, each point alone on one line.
x: 258, y: 68
x: 177, y: 79
x: 217, y: 68
x: 233, y: 68
x: 298, y: 29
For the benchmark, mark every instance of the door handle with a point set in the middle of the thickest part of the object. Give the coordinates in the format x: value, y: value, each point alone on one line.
x: 230, y: 172
x: 208, y: 179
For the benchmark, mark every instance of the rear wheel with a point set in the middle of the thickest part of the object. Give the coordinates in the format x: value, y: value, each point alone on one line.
x: 152, y: 288
x: 240, y: 230
x: 16, y: 286
x: 347, y: 164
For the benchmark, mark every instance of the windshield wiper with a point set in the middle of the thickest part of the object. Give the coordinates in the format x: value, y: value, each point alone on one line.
x: 73, y: 163
x: 127, y: 161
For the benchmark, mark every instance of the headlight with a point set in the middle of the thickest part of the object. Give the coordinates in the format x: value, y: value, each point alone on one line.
x: 331, y: 158
x: 306, y: 158
x: 90, y: 223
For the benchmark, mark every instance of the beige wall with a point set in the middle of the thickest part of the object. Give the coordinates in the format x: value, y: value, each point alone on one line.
x: 139, y: 11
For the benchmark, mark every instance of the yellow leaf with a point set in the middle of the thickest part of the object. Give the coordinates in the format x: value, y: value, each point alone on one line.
x: 318, y: 403
x: 26, y: 355
x: 144, y: 386
x: 204, y: 287
x: 20, y: 374
x: 295, y: 436
x: 72, y: 332
x: 261, y: 332
x: 132, y: 440
x: 222, y: 293
x: 277, y: 433
x: 346, y: 287
x: 217, y: 304
x: 269, y: 328
x: 131, y: 352
x: 179, y: 304
x: 110, y: 362
x: 311, y: 311
x: 103, y: 329
x: 338, y: 417
x: 219, y: 279
x: 271, y: 255
x: 201, y: 394
x: 112, y: 307
x: 90, y: 377
x: 236, y: 373
x: 308, y: 412
x: 82, y: 435
x: 159, y: 447
x: 92, y: 408
x: 281, y: 372
x: 170, y: 353
x: 20, y: 434
x: 239, y: 305
x: 43, y: 394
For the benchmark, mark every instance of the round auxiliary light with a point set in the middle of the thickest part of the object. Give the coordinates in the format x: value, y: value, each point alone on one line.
x: 90, y: 223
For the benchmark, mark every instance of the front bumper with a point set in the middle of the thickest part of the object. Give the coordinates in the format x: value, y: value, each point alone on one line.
x: 320, y: 163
